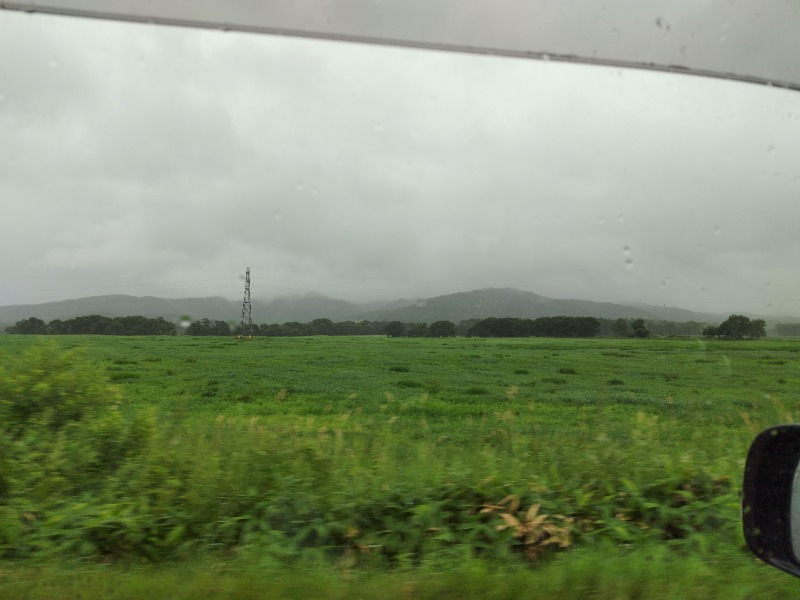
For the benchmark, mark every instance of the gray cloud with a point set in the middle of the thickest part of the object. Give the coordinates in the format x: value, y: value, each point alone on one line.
x: 151, y: 160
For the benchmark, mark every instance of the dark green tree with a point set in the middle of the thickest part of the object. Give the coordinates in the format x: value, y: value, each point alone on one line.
x: 735, y: 327
x: 640, y: 329
x: 442, y: 329
x: 418, y: 330
x: 620, y: 328
x: 395, y: 329
x: 758, y: 329
x: 31, y: 325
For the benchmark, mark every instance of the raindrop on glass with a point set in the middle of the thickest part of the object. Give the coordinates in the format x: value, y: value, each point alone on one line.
x: 770, y: 148
x: 626, y: 251
x: 277, y: 216
x: 299, y: 186
x: 628, y: 263
x: 717, y: 231
x: 699, y: 247
x: 620, y: 218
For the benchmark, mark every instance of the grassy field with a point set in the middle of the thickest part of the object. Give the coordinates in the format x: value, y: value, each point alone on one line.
x: 377, y: 467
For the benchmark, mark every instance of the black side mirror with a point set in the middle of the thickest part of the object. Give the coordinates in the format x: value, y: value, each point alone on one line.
x: 771, y: 503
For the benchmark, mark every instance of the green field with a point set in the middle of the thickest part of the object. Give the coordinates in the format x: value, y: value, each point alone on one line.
x: 377, y: 467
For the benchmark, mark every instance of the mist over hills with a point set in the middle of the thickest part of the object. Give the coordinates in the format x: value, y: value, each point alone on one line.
x: 475, y: 304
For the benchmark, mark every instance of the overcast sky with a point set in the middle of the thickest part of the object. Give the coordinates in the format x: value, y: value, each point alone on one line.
x: 150, y: 160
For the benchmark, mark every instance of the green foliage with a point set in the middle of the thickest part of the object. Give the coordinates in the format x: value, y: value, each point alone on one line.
x: 395, y: 329
x: 44, y: 389
x: 640, y: 329
x: 620, y: 328
x: 298, y: 448
x: 737, y: 327
x: 442, y: 329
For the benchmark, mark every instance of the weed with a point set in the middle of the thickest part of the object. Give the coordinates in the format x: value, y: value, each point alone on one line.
x: 476, y: 390
x: 409, y: 383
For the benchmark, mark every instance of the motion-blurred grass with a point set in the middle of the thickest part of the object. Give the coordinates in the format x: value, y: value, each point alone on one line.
x: 395, y: 463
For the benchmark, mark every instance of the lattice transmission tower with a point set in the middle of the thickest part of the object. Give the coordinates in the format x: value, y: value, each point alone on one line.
x: 247, y: 317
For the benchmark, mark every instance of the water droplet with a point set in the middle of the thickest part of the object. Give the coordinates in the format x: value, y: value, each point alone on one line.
x: 717, y: 231
x: 770, y: 148
x: 620, y: 218
x: 600, y: 220
x: 545, y: 57
x: 663, y: 283
x: 53, y: 64
x: 626, y: 251
x: 629, y: 263
x: 699, y: 247
x: 277, y: 216
x: 722, y: 38
x: 299, y: 186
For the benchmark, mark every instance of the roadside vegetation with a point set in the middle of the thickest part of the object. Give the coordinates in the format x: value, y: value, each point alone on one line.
x: 402, y: 464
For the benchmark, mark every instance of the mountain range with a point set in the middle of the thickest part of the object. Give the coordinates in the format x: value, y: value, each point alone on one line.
x: 475, y: 304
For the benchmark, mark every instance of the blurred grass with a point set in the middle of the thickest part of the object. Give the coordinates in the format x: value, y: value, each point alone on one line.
x: 649, y: 572
x: 363, y: 467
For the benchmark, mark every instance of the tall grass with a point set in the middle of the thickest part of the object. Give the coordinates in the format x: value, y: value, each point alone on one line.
x: 262, y: 458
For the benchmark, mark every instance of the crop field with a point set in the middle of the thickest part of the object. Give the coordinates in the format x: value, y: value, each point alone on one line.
x: 382, y: 467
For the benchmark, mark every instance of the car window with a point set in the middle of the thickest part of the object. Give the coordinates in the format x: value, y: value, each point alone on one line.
x: 153, y: 160
x: 258, y: 295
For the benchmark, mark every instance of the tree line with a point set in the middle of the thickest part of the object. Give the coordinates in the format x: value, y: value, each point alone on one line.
x: 735, y: 327
x: 95, y: 325
x: 542, y: 327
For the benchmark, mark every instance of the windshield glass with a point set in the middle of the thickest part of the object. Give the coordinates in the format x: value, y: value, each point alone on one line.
x: 320, y: 317
x: 155, y: 161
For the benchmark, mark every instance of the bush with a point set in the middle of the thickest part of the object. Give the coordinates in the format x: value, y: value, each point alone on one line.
x: 61, y: 435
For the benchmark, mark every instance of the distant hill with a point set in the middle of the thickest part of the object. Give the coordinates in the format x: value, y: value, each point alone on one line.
x: 510, y: 302
x: 302, y: 308
x: 122, y: 305
x: 477, y: 304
